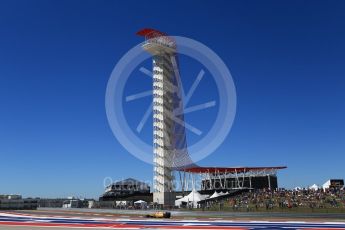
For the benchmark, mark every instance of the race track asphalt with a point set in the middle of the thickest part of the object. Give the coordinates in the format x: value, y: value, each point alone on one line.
x: 69, y: 219
x: 202, y: 214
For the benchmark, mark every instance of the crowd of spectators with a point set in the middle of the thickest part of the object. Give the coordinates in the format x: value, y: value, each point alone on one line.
x: 286, y: 199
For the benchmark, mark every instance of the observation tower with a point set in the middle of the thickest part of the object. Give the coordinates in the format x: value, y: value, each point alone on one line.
x: 169, y: 137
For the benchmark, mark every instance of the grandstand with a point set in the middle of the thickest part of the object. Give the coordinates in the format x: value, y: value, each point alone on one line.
x: 230, y: 178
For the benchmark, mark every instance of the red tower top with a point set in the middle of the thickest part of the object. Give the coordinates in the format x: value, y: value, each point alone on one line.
x: 151, y: 34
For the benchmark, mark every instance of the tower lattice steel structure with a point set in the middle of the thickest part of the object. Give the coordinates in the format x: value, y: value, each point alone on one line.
x: 169, y: 137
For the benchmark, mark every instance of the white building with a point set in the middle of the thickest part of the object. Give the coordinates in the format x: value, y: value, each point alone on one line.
x: 72, y: 203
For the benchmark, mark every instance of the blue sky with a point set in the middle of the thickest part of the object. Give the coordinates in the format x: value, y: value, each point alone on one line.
x: 286, y: 58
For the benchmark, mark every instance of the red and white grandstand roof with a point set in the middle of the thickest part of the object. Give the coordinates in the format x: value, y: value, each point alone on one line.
x: 229, y: 169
